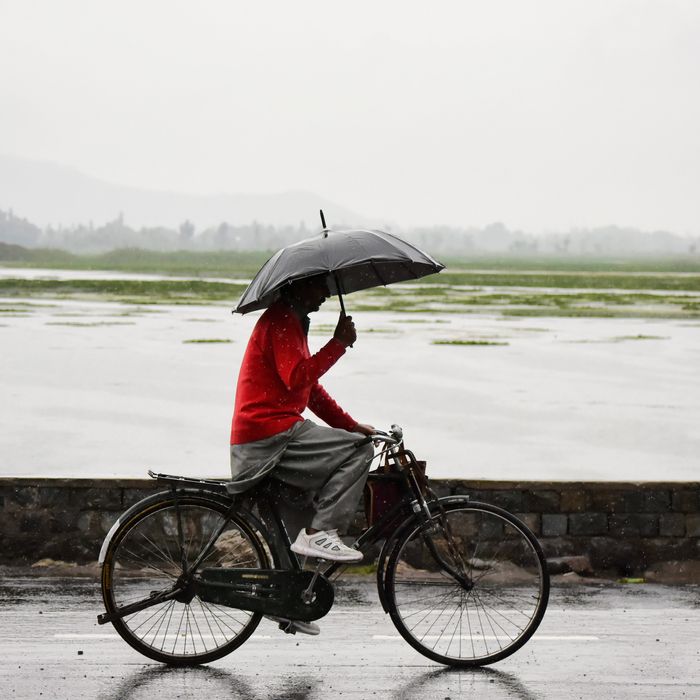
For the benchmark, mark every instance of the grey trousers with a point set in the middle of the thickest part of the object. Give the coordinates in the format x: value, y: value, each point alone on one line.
x: 320, y: 473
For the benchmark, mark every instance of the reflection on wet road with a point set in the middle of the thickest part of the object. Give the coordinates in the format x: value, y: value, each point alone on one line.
x: 606, y: 641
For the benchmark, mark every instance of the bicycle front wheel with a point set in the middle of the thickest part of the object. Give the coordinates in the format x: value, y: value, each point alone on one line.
x: 152, y: 554
x: 467, y: 587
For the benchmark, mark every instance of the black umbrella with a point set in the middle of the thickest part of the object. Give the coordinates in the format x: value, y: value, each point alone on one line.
x: 352, y: 260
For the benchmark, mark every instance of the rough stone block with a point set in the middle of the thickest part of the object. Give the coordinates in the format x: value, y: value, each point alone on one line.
x: 554, y: 524
x: 131, y: 496
x: 657, y: 501
x: 457, y: 487
x: 107, y: 519
x: 96, y: 498
x: 625, y: 557
x: 9, y: 524
x: 561, y: 546
x: 23, y: 496
x: 441, y: 488
x: 532, y: 520
x: 692, y: 525
x: 686, y: 500
x: 672, y: 524
x: 573, y: 501
x: 607, y: 501
x: 34, y: 522
x: 648, y: 501
x: 60, y: 523
x: 669, y: 548
x: 510, y: 500
x: 88, y: 521
x: 541, y: 501
x: 53, y: 497
x: 581, y: 524
x: 634, y: 525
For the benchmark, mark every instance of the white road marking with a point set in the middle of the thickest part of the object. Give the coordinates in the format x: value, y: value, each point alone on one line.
x: 537, y: 637
x: 116, y: 636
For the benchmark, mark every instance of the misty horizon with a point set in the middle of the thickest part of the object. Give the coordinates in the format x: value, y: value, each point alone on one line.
x: 251, y: 222
x: 547, y: 116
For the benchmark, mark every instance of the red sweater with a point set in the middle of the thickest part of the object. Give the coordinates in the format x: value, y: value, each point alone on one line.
x: 279, y: 379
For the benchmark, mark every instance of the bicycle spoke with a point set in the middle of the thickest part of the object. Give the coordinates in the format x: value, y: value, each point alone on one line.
x: 444, y: 598
x: 163, y: 618
x: 482, y: 618
x: 423, y: 599
x: 490, y: 622
x: 148, y: 619
x: 145, y: 563
x: 206, y: 619
x: 459, y: 608
x: 501, y: 614
x: 164, y: 557
x: 225, y: 612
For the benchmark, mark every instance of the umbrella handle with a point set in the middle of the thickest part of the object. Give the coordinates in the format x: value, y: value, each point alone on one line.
x: 340, y: 292
x: 340, y: 295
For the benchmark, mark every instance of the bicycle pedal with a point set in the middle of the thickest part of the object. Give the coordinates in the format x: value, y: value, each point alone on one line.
x: 288, y: 627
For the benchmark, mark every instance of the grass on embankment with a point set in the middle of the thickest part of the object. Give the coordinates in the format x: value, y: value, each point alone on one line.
x: 127, y: 291
x: 574, y: 287
x: 228, y: 263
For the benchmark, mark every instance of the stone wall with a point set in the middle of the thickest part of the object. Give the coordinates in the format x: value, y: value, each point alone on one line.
x: 622, y: 528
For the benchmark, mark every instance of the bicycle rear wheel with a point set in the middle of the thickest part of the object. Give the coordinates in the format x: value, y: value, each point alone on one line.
x: 468, y: 587
x: 145, y: 558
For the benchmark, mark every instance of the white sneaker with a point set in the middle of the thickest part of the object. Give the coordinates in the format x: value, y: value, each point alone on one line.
x: 324, y: 545
x: 294, y: 626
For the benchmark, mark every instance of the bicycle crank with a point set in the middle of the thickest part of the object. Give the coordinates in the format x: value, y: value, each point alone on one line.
x: 296, y: 595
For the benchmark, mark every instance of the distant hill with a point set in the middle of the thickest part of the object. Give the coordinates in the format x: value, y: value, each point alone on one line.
x: 51, y: 206
x: 51, y: 194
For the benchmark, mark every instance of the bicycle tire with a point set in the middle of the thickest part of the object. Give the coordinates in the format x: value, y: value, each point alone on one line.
x: 143, y: 556
x: 494, y: 612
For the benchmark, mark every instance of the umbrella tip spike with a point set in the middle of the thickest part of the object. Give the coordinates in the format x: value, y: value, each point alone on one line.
x: 323, y: 218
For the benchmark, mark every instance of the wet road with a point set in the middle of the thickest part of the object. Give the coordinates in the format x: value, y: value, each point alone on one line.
x: 596, y: 641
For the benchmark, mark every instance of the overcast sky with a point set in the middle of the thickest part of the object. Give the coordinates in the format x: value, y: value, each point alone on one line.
x: 542, y: 114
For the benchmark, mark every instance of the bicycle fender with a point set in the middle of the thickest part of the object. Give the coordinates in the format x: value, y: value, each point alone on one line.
x: 155, y: 497
x: 390, y: 542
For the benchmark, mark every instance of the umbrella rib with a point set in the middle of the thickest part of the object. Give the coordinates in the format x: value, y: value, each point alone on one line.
x: 376, y: 272
x: 410, y: 271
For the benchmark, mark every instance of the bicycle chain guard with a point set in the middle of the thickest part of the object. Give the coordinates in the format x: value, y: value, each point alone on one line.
x: 269, y: 591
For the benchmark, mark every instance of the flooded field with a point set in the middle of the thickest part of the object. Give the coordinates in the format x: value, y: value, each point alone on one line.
x: 96, y: 386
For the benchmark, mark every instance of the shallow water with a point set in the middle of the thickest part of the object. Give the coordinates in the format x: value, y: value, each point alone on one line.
x: 106, y: 389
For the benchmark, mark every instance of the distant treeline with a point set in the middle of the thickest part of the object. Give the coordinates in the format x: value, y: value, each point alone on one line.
x: 495, y: 238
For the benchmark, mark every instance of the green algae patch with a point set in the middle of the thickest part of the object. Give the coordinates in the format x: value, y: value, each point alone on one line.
x: 208, y: 340
x: 467, y: 342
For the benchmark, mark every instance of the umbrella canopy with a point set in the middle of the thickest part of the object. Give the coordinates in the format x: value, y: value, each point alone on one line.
x: 352, y: 260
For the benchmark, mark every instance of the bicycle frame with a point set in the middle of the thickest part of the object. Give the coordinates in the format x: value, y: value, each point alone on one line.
x: 412, y: 509
x: 196, y: 527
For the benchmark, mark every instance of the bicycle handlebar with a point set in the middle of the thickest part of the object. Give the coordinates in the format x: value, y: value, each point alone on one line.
x: 393, y: 437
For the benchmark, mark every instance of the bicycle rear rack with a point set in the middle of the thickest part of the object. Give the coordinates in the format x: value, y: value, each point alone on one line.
x: 209, y: 484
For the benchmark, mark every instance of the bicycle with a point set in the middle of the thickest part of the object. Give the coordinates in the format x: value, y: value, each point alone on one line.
x: 188, y: 573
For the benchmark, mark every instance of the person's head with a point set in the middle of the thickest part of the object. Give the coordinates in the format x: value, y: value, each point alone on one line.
x: 307, y: 294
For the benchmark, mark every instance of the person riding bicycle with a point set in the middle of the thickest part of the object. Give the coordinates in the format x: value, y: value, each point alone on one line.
x: 278, y: 380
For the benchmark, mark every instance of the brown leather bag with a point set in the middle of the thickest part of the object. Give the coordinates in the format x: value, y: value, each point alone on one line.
x: 382, y: 496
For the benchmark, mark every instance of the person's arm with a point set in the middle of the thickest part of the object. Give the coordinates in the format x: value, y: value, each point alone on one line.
x: 323, y: 405
x: 289, y: 351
